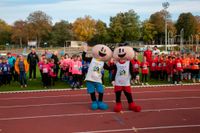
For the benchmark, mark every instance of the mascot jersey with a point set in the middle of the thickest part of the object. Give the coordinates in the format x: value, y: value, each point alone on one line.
x: 123, y: 75
x: 94, y: 71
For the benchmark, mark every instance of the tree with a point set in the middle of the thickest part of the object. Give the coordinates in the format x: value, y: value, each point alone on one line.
x: 84, y: 28
x: 101, y: 35
x: 19, y: 34
x: 125, y: 27
x: 187, y: 22
x: 40, y: 24
x: 61, y: 32
x: 148, y: 32
x: 5, y: 32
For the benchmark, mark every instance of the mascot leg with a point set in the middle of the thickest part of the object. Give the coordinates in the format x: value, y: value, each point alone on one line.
x: 94, y: 105
x: 132, y: 106
x: 101, y: 104
x: 118, y: 106
x: 91, y: 91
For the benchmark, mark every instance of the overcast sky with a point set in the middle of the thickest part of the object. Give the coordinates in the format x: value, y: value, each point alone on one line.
x: 12, y: 10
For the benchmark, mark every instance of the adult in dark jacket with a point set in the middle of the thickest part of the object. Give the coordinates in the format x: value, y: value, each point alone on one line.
x: 32, y: 60
x: 56, y: 62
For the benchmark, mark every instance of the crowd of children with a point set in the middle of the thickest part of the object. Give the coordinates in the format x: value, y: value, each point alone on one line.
x: 173, y: 67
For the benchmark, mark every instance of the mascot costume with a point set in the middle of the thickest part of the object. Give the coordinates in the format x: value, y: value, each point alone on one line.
x: 101, y: 54
x: 123, y: 73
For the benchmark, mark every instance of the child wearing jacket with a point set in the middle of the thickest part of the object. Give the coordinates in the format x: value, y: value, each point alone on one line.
x: 22, y: 67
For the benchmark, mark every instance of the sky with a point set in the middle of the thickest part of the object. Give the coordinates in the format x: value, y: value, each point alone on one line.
x: 12, y: 10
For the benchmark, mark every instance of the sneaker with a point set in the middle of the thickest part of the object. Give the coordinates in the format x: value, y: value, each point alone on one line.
x: 142, y: 84
x: 30, y: 79
x: 146, y: 83
x: 25, y: 86
x: 175, y: 82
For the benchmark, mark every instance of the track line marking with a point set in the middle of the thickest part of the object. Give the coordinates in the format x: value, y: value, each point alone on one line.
x: 141, y: 129
x: 109, y: 87
x: 107, y: 93
x: 77, y: 103
x: 89, y: 114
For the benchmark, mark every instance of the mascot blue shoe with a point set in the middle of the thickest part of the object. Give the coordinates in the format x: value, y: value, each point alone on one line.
x: 94, y: 106
x: 102, y: 106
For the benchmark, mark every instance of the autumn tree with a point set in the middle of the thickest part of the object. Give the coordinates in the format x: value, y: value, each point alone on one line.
x: 5, y: 33
x: 125, y: 27
x: 101, y: 33
x: 61, y: 32
x: 39, y: 24
x: 188, y: 23
x: 84, y: 28
x: 148, y: 32
x: 19, y: 33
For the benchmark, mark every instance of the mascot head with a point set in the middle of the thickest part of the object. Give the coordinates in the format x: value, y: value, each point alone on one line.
x: 123, y: 53
x: 101, y: 52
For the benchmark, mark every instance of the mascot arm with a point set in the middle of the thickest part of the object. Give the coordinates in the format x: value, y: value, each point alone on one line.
x: 114, y: 69
x: 88, y: 59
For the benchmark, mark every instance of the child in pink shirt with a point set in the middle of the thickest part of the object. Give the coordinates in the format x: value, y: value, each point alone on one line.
x: 45, y: 72
x: 76, y: 69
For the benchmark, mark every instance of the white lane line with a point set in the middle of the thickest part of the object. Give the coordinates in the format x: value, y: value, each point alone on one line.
x: 107, y: 93
x: 109, y: 87
x: 77, y: 103
x: 134, y: 129
x: 89, y: 114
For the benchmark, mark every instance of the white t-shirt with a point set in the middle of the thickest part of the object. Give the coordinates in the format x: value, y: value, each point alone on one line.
x: 156, y: 51
x: 123, y: 75
x: 94, y: 72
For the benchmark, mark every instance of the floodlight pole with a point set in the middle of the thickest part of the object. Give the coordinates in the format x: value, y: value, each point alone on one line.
x: 165, y: 6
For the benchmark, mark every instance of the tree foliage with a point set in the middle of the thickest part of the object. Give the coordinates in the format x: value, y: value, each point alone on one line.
x: 187, y: 22
x: 61, y: 32
x: 84, y: 28
x: 40, y: 24
x: 125, y: 27
x: 101, y: 33
x: 148, y: 32
x: 5, y: 33
x: 19, y: 33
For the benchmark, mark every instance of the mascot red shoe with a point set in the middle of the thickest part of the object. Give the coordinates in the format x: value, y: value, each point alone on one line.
x: 122, y: 76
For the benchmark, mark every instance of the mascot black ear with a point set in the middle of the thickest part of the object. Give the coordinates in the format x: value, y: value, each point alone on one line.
x: 123, y: 44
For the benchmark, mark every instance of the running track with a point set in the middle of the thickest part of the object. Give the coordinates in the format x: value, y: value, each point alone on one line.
x: 173, y: 109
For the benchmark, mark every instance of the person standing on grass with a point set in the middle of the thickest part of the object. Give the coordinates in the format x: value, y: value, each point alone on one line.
x: 32, y: 60
x: 56, y: 62
x: 11, y: 62
x: 45, y: 72
x: 6, y: 72
x: 148, y: 54
x: 22, y: 67
x: 144, y: 67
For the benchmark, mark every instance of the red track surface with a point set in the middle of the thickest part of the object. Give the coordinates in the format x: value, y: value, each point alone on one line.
x: 165, y: 110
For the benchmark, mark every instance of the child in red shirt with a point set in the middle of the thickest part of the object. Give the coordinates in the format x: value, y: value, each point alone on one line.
x: 153, y: 65
x: 144, y: 68
x: 136, y: 66
x: 178, y: 69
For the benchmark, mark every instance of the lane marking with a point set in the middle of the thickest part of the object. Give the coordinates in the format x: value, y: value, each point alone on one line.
x: 89, y: 114
x: 134, y: 129
x: 109, y: 87
x: 110, y: 93
x: 77, y: 103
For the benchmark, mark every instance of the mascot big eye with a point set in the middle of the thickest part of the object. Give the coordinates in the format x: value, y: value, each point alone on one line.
x: 122, y: 76
x: 101, y: 54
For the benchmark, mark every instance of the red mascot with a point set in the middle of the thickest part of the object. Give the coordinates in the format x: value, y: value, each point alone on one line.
x: 122, y: 76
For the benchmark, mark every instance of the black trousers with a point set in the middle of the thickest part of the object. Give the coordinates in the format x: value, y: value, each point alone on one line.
x: 118, y: 96
x: 46, y: 79
x: 32, y: 70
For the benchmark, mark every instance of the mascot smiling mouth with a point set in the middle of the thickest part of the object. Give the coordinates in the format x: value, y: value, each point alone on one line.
x: 102, y: 54
x: 121, y: 55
